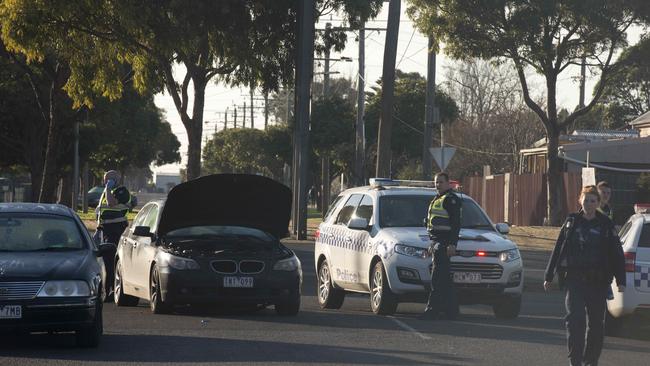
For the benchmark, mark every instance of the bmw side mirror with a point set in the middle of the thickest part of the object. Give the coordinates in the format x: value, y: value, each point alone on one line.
x: 143, y: 231
x: 503, y: 228
x: 106, y: 249
x: 358, y: 223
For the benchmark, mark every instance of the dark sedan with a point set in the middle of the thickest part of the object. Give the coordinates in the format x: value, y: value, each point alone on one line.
x: 213, y: 240
x: 50, y: 272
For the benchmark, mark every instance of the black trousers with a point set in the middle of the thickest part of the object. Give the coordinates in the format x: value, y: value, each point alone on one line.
x: 111, y: 234
x: 442, y: 297
x: 585, y: 305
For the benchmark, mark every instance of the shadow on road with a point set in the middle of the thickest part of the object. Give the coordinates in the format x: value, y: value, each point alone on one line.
x: 165, y: 348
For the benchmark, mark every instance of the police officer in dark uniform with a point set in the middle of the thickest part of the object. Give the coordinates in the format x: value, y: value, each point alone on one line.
x: 113, y: 206
x: 443, y: 224
x: 586, y: 257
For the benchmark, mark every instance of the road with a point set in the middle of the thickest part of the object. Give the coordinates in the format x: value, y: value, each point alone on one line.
x: 349, y: 336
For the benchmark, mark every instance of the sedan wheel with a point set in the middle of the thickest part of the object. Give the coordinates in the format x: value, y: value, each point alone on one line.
x: 120, y: 298
x: 328, y: 296
x: 382, y: 299
x: 155, y: 299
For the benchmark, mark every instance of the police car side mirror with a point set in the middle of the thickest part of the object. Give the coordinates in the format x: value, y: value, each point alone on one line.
x: 143, y: 231
x: 502, y: 228
x: 358, y: 223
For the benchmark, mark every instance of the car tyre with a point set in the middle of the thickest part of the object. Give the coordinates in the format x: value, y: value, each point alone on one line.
x: 156, y: 303
x: 329, y: 297
x: 507, y: 308
x: 289, y: 306
x: 382, y: 299
x: 120, y: 298
x: 89, y: 337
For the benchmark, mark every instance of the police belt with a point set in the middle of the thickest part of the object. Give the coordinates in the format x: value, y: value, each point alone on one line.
x: 586, y: 275
x: 112, y: 221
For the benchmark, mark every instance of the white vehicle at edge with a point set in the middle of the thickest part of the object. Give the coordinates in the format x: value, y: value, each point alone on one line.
x: 635, y: 236
x: 373, y: 240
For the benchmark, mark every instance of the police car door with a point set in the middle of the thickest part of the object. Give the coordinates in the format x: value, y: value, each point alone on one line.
x: 358, y: 257
x: 341, y: 243
x: 642, y: 260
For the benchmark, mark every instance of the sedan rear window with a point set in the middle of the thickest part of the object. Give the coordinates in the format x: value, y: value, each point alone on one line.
x: 24, y: 233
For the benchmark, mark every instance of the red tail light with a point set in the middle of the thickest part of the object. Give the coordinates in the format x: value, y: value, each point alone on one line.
x: 480, y: 253
x: 316, y: 234
x: 630, y: 259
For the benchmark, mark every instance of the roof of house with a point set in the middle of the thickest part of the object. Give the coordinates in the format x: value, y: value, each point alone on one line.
x: 642, y: 120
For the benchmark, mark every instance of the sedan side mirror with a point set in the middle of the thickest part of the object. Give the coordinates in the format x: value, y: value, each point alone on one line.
x: 143, y: 231
x: 106, y: 249
x: 358, y: 223
x: 503, y: 228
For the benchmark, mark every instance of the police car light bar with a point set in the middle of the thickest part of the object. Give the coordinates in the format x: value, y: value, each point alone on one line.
x: 642, y: 208
x: 387, y: 182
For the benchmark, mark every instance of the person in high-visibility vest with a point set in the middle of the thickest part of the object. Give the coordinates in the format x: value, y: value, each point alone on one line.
x: 443, y: 224
x: 113, y: 206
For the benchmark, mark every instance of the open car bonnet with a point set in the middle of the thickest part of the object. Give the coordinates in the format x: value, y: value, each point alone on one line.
x: 228, y: 200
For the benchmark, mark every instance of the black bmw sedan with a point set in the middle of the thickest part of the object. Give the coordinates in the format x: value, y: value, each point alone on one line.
x: 214, y: 239
x: 50, y: 272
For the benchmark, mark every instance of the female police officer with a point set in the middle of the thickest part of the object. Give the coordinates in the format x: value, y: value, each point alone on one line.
x: 587, y: 255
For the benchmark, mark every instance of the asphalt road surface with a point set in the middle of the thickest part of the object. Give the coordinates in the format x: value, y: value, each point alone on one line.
x: 352, y: 335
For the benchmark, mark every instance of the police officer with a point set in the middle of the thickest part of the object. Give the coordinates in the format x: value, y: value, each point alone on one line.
x: 605, y: 193
x: 586, y: 257
x: 443, y: 224
x: 111, y: 211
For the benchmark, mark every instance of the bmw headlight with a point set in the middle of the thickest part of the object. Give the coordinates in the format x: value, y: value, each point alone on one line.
x: 64, y: 289
x: 509, y: 255
x: 179, y: 263
x: 289, y: 264
x: 411, y: 251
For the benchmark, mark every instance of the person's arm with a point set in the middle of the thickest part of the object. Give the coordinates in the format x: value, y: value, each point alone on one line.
x: 110, y: 199
x: 555, y: 256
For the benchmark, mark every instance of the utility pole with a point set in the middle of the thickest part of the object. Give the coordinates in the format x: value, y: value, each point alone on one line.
x: 75, y: 173
x: 243, y: 118
x: 427, y: 159
x: 252, y: 96
x: 583, y: 67
x: 266, y: 110
x: 304, y: 70
x: 388, y: 89
x: 235, y: 116
x: 325, y: 161
x: 360, y: 135
x: 225, y: 123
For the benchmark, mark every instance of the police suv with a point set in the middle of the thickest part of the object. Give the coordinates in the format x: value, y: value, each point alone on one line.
x: 373, y: 240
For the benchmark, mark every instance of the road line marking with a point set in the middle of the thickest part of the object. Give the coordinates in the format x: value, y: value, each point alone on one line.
x: 407, y: 327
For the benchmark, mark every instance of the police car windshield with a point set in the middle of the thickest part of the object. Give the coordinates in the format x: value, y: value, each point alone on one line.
x: 412, y: 210
x: 33, y: 232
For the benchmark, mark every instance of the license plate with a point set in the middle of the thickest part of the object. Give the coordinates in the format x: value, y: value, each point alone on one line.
x: 238, y: 282
x: 11, y: 312
x: 467, y: 277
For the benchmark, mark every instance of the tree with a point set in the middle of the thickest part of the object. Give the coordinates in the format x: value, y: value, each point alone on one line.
x: 409, y: 103
x: 332, y: 133
x: 247, y: 150
x: 494, y: 122
x: 547, y: 36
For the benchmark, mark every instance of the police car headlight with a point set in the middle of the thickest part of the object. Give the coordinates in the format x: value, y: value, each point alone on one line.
x: 509, y: 255
x: 411, y: 251
x: 179, y: 263
x: 64, y: 289
x: 289, y: 264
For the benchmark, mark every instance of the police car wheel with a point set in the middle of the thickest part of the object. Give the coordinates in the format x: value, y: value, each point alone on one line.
x: 507, y: 308
x: 328, y: 296
x: 120, y: 298
x: 382, y: 299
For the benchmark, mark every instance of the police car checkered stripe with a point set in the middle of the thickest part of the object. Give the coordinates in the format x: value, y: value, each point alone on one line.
x: 641, y: 277
x: 335, y: 236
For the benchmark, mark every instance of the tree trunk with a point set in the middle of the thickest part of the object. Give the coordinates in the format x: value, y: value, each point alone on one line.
x: 554, y: 180
x: 49, y: 182
x: 194, y: 129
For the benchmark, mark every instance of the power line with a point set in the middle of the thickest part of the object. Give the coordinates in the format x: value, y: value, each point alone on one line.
x: 407, y: 48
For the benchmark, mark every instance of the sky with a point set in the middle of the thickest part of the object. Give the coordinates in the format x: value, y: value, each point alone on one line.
x: 411, y: 57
